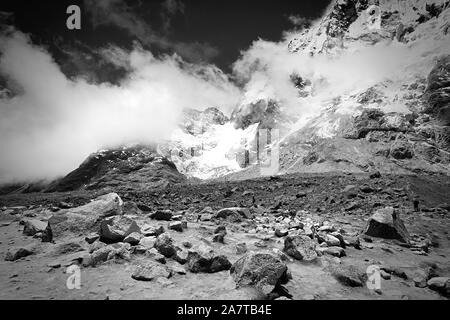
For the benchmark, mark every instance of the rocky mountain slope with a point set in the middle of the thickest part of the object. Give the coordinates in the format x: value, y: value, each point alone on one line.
x: 394, y: 119
x: 134, y: 167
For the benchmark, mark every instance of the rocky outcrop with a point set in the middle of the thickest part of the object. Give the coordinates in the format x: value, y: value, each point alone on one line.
x: 437, y: 95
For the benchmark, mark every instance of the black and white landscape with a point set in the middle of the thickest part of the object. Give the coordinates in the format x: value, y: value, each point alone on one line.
x: 298, y: 152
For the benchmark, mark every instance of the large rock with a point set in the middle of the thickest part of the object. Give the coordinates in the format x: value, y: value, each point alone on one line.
x: 348, y: 275
x: 234, y: 214
x: 300, y: 248
x: 33, y: 227
x: 441, y: 285
x: 149, y: 270
x: 133, y: 238
x: 16, y: 253
x: 164, y: 244
x: 115, y: 229
x: 148, y: 242
x: 386, y: 223
x: 86, y: 218
x: 118, y: 251
x: 204, y: 259
x: 165, y: 215
x: 401, y: 150
x: 262, y: 270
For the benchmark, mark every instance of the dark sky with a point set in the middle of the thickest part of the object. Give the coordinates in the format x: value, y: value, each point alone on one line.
x: 226, y: 26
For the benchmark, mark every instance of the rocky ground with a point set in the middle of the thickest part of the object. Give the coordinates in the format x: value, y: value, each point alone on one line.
x: 295, y: 236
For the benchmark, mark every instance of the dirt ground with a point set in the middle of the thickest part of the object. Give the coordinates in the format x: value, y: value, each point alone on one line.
x: 344, y: 201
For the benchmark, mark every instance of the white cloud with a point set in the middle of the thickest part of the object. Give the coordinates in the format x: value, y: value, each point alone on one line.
x: 55, y: 123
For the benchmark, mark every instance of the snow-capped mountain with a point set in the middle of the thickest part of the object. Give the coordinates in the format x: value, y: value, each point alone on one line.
x: 364, y: 88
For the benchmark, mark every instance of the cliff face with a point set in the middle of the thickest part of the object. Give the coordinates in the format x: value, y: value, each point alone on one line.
x: 391, y: 116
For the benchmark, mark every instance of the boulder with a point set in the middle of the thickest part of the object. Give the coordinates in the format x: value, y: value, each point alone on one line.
x: 33, y: 227
x: 234, y: 214
x: 241, y: 248
x: 176, y: 225
x: 441, y: 285
x: 164, y: 245
x: 133, y: 238
x: 181, y: 256
x: 148, y: 230
x: 334, y: 251
x: 165, y: 215
x: 149, y: 270
x: 401, y: 150
x: 86, y: 218
x: 204, y: 259
x: 386, y: 223
x: 155, y: 255
x: 219, y: 238
x: 349, y: 276
x: 148, y: 242
x: 332, y: 240
x: 262, y: 270
x: 115, y: 229
x: 16, y: 253
x: 114, y: 251
x: 66, y: 247
x: 92, y: 237
x: 281, y: 232
x: 300, y: 248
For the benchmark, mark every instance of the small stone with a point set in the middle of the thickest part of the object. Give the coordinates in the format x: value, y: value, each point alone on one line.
x: 177, y: 269
x: 385, y: 275
x: 187, y: 244
x: 332, y: 240
x: 150, y: 270
x: 375, y: 175
x: 155, y: 255
x: 281, y: 232
x: 335, y: 251
x: 92, y: 237
x: 241, y: 248
x: 176, y: 225
x: 133, y: 238
x: 181, y: 256
x: 220, y: 229
x: 147, y: 242
x: 219, y: 238
x: 150, y: 231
